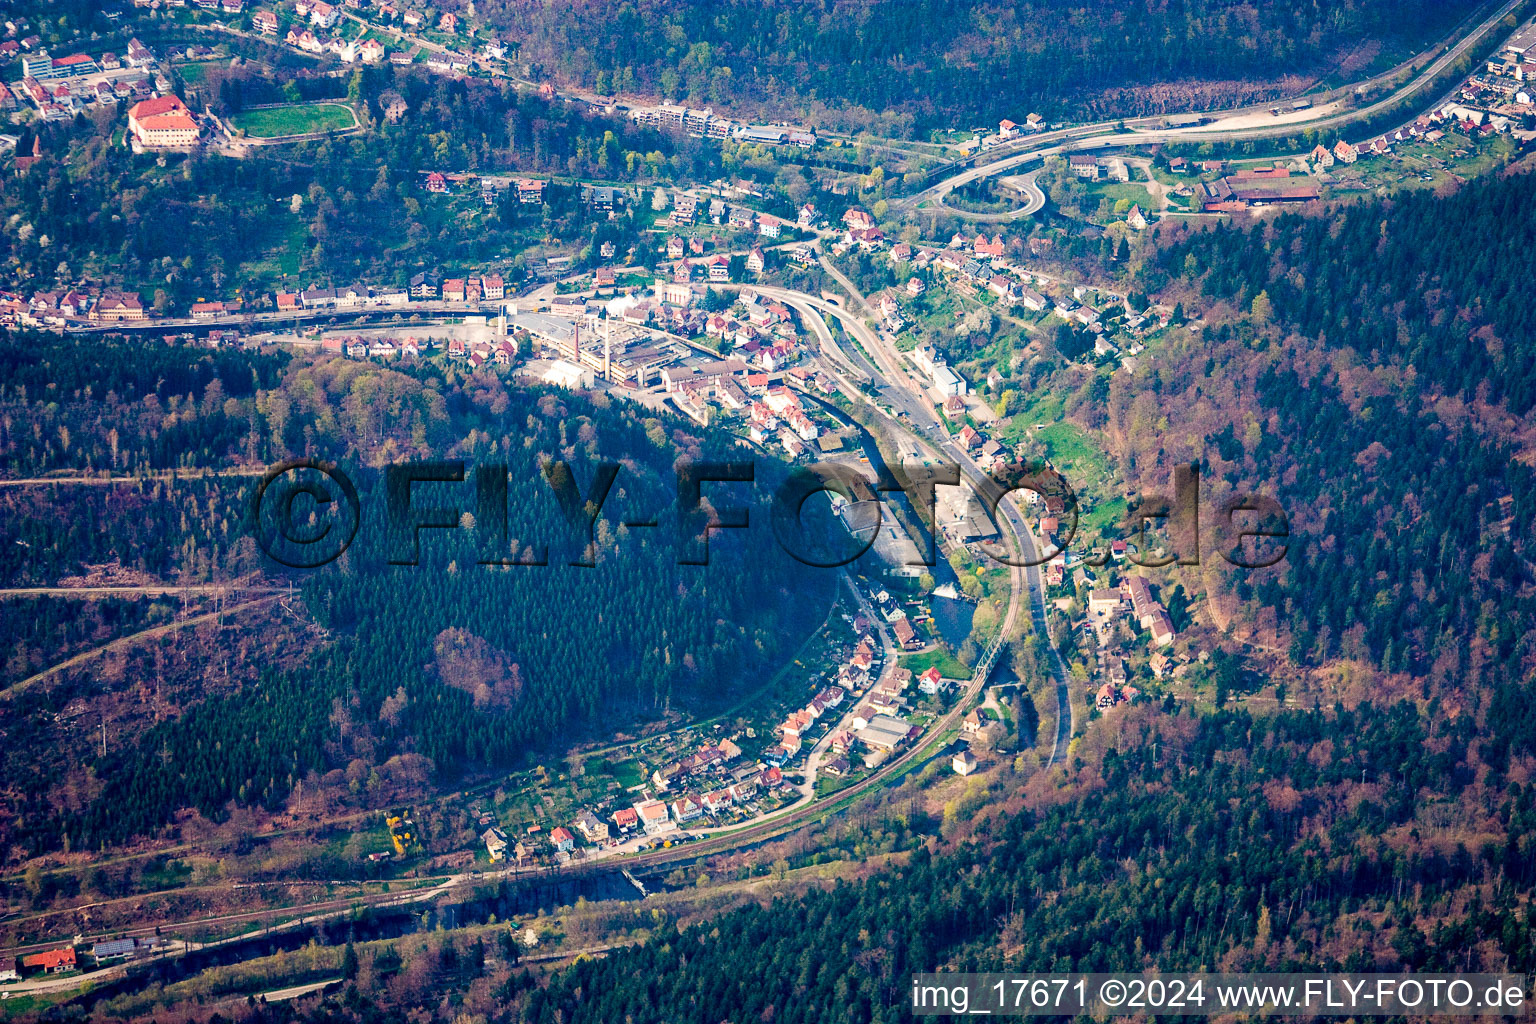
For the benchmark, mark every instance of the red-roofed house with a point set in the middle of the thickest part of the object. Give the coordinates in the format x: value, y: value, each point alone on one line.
x: 53, y: 961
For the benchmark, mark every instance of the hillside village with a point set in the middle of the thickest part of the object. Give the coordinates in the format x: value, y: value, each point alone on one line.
x: 862, y: 709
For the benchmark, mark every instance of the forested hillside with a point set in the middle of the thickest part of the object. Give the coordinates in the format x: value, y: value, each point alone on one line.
x: 1248, y: 843
x: 917, y: 65
x: 428, y: 671
x: 204, y: 227
x: 1372, y: 370
x: 1371, y: 839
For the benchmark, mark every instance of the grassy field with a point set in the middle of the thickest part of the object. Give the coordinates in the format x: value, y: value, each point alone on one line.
x: 949, y: 666
x: 192, y: 73
x: 275, y: 122
x: 1116, y: 191
x: 627, y: 773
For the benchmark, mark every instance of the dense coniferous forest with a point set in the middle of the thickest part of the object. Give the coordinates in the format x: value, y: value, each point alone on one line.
x: 1436, y: 282
x: 918, y: 65
x: 431, y: 670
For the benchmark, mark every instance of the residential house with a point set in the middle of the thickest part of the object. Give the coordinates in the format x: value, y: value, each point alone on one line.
x: 1084, y: 166
x: 687, y: 808
x: 653, y: 817
x: 1345, y: 153
x: 495, y: 841
x: 591, y: 827
x: 626, y: 819
x: 53, y: 961
x: 562, y: 840
x: 113, y: 949
x: 453, y: 289
x: 1005, y: 288
x: 856, y: 219
x: 964, y: 763
x: 322, y: 14
x: 1032, y: 300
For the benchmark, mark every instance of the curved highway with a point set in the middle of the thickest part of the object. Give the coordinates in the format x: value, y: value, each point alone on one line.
x: 1033, y: 204
x: 1150, y: 130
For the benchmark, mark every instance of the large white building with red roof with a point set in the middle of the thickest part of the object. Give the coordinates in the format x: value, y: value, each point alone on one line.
x: 163, y: 122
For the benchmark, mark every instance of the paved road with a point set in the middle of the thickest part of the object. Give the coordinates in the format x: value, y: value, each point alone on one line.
x: 1034, y: 202
x: 1147, y: 131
